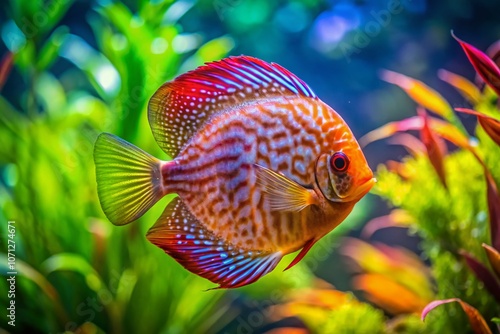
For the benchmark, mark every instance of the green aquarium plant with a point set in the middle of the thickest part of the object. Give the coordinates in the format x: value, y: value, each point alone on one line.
x: 75, y: 272
x: 452, y: 197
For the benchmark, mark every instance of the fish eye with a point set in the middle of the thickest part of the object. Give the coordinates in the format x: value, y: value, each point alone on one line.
x: 339, y: 162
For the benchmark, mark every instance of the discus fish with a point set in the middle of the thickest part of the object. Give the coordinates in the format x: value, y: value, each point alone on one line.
x: 262, y: 168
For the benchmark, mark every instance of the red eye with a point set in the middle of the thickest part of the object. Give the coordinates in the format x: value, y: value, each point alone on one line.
x: 339, y: 162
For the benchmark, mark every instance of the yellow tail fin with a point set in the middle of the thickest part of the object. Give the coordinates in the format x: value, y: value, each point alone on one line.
x: 129, y: 180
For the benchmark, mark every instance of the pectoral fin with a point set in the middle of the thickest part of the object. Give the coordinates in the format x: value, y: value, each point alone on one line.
x: 283, y: 193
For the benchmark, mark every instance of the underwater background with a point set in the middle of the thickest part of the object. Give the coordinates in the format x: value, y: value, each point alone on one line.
x: 70, y: 70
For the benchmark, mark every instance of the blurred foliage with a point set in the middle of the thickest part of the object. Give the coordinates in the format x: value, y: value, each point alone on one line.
x: 331, y: 311
x: 405, y: 278
x: 73, y: 267
x: 326, y: 310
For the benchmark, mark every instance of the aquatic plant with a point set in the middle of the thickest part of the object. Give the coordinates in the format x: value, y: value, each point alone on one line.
x: 74, y: 270
x: 395, y: 282
x: 452, y: 197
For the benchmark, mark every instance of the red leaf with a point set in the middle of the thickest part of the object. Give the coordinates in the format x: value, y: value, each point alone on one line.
x: 493, y: 209
x: 5, y: 67
x: 288, y: 330
x: 493, y: 52
x: 389, y: 129
x: 477, y: 322
x: 483, y: 274
x: 434, y: 145
x: 493, y: 257
x: 483, y: 65
x: 389, y: 294
x: 442, y: 128
x: 490, y: 125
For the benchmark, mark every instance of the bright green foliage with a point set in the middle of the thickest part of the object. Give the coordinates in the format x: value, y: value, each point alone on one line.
x: 353, y: 318
x: 407, y: 324
x: 73, y: 265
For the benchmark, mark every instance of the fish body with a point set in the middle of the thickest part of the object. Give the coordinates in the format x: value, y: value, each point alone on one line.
x: 262, y: 168
x: 215, y: 178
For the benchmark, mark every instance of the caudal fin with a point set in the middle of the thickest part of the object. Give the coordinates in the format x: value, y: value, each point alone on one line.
x: 129, y: 180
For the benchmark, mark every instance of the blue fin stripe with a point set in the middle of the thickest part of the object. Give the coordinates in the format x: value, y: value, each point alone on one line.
x: 255, y: 80
x: 179, y: 233
x: 258, y: 73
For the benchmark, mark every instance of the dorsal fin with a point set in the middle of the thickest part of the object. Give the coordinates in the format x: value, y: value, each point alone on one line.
x: 180, y: 107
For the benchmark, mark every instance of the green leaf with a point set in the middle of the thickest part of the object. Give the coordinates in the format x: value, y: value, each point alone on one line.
x: 76, y: 263
x: 153, y: 12
x: 50, y: 93
x: 55, y: 10
x: 50, y: 50
x: 38, y: 17
x: 210, y: 51
x: 215, y: 49
x: 25, y: 57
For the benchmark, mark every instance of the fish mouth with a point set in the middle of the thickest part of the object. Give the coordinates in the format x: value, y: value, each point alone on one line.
x: 361, y: 191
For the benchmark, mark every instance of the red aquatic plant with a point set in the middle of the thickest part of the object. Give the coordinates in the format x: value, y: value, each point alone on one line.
x: 396, y: 218
x: 5, y: 67
x: 484, y: 65
x: 478, y: 324
x: 466, y: 88
x: 432, y: 132
x: 490, y: 125
x: 436, y: 149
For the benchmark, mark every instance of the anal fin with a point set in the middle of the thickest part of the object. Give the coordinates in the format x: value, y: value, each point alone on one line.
x: 198, y: 250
